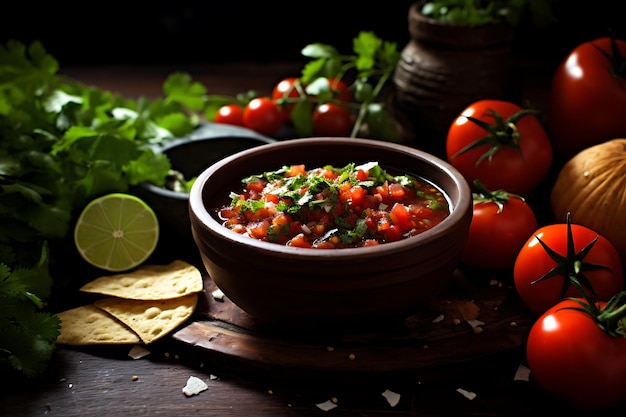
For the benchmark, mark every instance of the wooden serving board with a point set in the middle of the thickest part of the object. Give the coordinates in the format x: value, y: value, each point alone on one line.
x: 440, y: 335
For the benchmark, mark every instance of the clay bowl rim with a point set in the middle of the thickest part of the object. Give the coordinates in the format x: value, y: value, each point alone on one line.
x: 457, y: 214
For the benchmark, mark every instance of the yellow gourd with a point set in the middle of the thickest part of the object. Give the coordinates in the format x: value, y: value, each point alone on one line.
x: 592, y: 187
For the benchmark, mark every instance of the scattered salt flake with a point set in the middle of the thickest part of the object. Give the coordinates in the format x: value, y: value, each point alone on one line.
x: 326, y: 405
x: 194, y: 386
x: 475, y: 323
x: 522, y: 373
x: 218, y: 295
x: 393, y: 398
x: 138, y: 352
x: 467, y: 394
x: 495, y: 283
x: 213, y: 377
x: 438, y: 318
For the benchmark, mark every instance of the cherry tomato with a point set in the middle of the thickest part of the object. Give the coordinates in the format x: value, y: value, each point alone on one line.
x: 331, y: 119
x: 262, y: 115
x: 285, y: 89
x: 534, y: 262
x: 571, y: 357
x: 340, y: 90
x: 501, y: 145
x: 588, y: 97
x: 231, y: 114
x: 501, y: 224
x: 325, y: 89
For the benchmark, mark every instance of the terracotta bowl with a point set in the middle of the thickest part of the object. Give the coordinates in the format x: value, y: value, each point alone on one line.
x: 302, y: 287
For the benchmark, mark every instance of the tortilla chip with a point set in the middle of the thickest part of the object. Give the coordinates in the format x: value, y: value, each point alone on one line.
x: 150, y: 319
x: 89, y: 325
x: 150, y: 282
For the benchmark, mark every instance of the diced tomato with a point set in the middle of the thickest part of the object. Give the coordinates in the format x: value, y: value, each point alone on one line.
x: 344, y: 192
x: 370, y: 242
x: 326, y: 244
x: 272, y: 198
x: 400, y: 216
x: 228, y: 212
x: 383, y: 224
x: 281, y: 219
x: 362, y: 175
x: 295, y: 170
x: 383, y: 191
x: 238, y: 228
x: 299, y: 241
x: 258, y: 230
x: 329, y: 174
x: 357, y: 194
x: 370, y: 222
x: 393, y: 233
x: 257, y: 215
x: 396, y: 191
x: 352, y: 194
x: 256, y: 186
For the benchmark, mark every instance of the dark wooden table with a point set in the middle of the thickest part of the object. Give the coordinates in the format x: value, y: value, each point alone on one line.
x: 105, y: 381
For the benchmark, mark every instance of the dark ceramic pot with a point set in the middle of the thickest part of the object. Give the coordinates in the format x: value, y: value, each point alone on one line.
x: 444, y: 68
x: 301, y: 287
x: 190, y: 156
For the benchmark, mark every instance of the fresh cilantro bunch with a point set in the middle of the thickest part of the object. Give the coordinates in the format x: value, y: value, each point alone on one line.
x: 61, y: 145
x: 370, y: 67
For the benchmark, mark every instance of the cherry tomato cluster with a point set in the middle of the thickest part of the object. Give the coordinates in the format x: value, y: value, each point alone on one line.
x: 336, y: 94
x: 329, y: 109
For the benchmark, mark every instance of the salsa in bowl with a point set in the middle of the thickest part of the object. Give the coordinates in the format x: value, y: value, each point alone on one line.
x: 333, y: 208
x: 293, y: 285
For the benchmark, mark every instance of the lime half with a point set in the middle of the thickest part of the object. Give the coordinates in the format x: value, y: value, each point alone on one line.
x: 116, y: 232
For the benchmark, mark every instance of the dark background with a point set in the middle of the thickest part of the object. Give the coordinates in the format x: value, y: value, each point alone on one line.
x: 187, y: 31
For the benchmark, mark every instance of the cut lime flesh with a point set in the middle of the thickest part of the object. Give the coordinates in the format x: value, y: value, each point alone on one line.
x: 116, y: 232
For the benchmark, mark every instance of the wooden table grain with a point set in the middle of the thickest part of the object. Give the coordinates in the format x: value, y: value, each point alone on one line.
x: 105, y: 381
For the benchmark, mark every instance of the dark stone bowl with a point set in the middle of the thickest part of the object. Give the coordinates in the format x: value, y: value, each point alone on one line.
x: 190, y: 156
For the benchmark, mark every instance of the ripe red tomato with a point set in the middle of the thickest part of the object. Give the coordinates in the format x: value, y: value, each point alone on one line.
x: 331, y: 119
x: 588, y: 97
x: 231, y: 114
x: 285, y: 89
x: 500, y: 226
x: 571, y: 357
x: 512, y: 151
x: 534, y: 262
x: 262, y: 115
